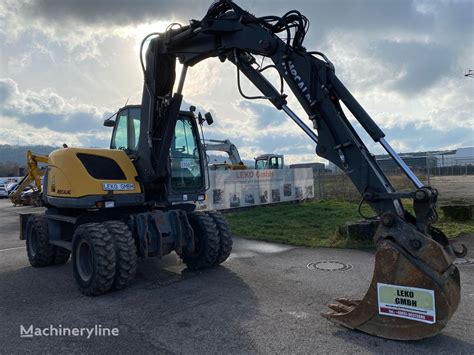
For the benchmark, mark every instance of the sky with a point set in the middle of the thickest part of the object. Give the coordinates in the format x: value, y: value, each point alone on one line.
x: 66, y: 65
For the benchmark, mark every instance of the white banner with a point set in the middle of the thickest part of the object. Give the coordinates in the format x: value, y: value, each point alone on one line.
x: 244, y: 188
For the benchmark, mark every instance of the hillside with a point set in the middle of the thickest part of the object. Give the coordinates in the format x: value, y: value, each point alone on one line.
x: 17, y: 154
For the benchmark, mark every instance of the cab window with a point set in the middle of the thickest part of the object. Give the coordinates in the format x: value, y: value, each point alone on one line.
x: 275, y: 162
x: 261, y: 164
x: 120, y: 136
x: 127, y: 129
x: 134, y: 117
x: 185, y: 159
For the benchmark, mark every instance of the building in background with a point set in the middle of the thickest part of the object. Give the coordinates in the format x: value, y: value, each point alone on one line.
x: 316, y: 166
x: 416, y: 161
x: 440, y: 162
x: 457, y: 157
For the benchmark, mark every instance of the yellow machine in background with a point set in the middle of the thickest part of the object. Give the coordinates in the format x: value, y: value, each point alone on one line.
x: 34, y: 175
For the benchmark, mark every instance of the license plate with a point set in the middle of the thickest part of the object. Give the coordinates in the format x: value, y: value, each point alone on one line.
x: 108, y: 186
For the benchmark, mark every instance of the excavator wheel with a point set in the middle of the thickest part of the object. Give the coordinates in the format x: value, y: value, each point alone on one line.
x: 225, y: 236
x: 125, y: 252
x: 414, y: 292
x: 206, y: 242
x: 93, y: 258
x: 40, y: 252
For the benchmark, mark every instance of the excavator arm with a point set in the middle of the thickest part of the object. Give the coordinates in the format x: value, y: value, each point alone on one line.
x: 224, y: 146
x: 410, y: 252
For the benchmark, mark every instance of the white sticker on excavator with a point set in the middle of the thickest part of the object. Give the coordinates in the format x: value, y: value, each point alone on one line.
x: 417, y: 304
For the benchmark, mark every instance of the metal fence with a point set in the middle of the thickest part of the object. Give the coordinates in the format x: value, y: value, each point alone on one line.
x: 452, y: 187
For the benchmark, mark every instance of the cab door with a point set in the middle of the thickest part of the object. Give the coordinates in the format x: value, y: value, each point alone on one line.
x: 186, y: 157
x: 126, y: 129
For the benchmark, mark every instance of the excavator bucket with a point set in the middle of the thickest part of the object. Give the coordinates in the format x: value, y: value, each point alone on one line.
x: 415, y: 288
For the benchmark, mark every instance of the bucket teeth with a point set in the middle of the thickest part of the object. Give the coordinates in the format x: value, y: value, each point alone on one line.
x: 340, y: 308
x: 348, y: 302
x: 327, y: 315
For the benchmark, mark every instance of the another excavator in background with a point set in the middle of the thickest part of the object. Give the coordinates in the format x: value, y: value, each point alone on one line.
x: 29, y: 190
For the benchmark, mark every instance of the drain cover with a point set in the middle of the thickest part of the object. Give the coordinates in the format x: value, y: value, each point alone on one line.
x: 329, y: 265
x: 464, y: 261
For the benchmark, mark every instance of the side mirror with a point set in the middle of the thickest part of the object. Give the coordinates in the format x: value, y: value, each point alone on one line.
x: 109, y: 123
x: 209, y: 118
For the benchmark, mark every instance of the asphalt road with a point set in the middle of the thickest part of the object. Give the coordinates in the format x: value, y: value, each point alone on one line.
x: 264, y: 299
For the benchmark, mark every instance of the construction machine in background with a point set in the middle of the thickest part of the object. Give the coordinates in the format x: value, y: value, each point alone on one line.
x: 269, y: 161
x: 29, y: 190
x: 228, y: 147
x: 110, y: 206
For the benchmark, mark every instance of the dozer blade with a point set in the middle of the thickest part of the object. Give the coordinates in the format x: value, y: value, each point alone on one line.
x: 405, y: 260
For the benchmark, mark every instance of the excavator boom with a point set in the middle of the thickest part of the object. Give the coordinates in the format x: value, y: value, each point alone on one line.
x: 411, y: 254
x: 228, y: 147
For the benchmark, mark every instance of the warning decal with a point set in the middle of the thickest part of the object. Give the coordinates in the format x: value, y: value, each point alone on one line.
x: 413, y: 303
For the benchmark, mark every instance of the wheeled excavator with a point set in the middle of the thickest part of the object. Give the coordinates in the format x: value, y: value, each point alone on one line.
x: 107, y: 207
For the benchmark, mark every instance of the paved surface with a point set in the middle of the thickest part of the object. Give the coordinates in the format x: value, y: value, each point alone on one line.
x: 263, y: 300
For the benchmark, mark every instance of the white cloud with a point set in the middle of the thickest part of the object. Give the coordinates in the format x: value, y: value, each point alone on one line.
x: 70, y: 61
x: 46, y: 118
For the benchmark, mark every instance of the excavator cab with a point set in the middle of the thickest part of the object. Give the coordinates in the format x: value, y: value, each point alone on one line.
x: 269, y: 161
x: 186, y: 157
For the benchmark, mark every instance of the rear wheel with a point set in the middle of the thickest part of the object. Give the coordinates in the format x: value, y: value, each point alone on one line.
x: 94, y: 258
x: 225, y: 236
x: 40, y: 252
x: 125, y: 253
x: 206, y: 242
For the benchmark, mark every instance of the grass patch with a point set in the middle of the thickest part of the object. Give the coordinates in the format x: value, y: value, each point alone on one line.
x: 313, y: 224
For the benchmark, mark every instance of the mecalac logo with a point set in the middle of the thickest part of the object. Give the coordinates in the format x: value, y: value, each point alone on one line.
x: 297, y: 78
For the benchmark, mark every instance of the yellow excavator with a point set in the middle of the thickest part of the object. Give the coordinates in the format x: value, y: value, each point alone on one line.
x: 107, y: 207
x: 34, y: 176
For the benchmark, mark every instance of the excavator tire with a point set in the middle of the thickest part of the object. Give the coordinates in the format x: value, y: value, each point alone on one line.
x: 225, y: 236
x: 206, y: 242
x: 61, y: 255
x: 125, y: 253
x: 93, y: 258
x: 40, y: 252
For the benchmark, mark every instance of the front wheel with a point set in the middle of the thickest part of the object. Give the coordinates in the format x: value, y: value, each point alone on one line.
x: 206, y: 242
x: 125, y: 253
x: 93, y: 258
x: 225, y: 236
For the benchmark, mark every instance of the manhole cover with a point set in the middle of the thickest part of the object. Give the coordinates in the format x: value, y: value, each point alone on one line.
x: 329, y: 265
x: 464, y: 261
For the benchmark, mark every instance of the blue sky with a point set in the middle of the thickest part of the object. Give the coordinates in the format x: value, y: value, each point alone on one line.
x: 65, y: 65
